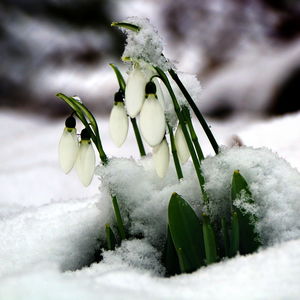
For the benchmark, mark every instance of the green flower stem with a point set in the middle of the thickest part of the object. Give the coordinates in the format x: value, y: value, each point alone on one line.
x: 194, y: 137
x: 120, y: 78
x: 174, y: 152
x: 110, y: 238
x: 137, y: 134
x: 119, y: 219
x: 196, y: 111
x: 138, y: 137
x: 82, y: 111
x: 185, y: 133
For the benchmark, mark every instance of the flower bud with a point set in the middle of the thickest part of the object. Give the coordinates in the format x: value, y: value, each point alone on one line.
x: 181, y: 145
x: 152, y: 121
x: 161, y: 158
x: 135, y: 92
x: 68, y: 146
x: 118, y: 124
x: 86, y: 160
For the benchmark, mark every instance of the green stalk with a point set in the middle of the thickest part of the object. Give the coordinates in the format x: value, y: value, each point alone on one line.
x: 194, y: 137
x: 120, y: 78
x: 119, y: 219
x: 196, y: 111
x: 235, y: 232
x: 209, y: 241
x: 185, y: 133
x: 174, y: 152
x: 110, y: 238
x: 224, y: 232
x: 137, y: 134
x: 138, y: 137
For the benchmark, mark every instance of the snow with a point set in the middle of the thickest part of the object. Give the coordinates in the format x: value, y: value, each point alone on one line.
x: 49, y: 223
x: 146, y: 45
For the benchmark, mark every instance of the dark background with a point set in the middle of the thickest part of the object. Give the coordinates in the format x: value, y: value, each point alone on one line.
x: 245, y: 53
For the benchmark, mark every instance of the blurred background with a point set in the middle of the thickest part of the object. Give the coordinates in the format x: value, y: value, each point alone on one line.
x: 246, y: 53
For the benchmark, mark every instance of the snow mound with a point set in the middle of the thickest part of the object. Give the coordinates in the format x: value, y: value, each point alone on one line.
x: 274, y: 184
x: 144, y: 198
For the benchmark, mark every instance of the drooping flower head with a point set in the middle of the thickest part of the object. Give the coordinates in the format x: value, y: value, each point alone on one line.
x: 152, y: 117
x: 118, y: 121
x: 161, y: 158
x: 85, y: 162
x: 68, y: 145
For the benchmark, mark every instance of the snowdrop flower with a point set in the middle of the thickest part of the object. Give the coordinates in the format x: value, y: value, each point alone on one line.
x: 68, y: 146
x: 85, y: 162
x: 118, y: 121
x: 181, y: 145
x: 135, y: 92
x: 161, y: 158
x: 152, y: 117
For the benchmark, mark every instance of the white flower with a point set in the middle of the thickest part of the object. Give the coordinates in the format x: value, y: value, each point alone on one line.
x: 68, y: 146
x: 135, y: 92
x: 181, y: 145
x: 161, y: 158
x: 118, y: 124
x: 152, y: 121
x: 85, y: 162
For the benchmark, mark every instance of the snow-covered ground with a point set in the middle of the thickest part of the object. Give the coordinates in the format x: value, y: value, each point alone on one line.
x: 49, y: 224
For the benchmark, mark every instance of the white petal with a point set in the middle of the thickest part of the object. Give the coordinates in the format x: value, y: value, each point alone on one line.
x: 118, y: 124
x: 161, y: 158
x: 152, y: 121
x: 135, y: 92
x: 85, y: 163
x: 181, y: 145
x: 68, y: 149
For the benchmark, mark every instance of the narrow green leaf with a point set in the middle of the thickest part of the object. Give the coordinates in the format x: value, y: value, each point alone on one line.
x: 185, y: 228
x: 170, y: 259
x: 119, y: 76
x: 209, y: 241
x: 235, y: 235
x: 119, y: 219
x: 249, y: 238
x: 110, y: 238
x: 225, y: 240
x: 126, y: 26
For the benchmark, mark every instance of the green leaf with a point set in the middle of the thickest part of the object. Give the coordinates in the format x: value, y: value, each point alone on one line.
x: 224, y: 234
x: 119, y: 76
x: 170, y: 259
x: 187, y: 236
x: 209, y: 241
x: 126, y: 26
x: 235, y: 235
x: 110, y: 238
x: 249, y: 238
x: 119, y: 219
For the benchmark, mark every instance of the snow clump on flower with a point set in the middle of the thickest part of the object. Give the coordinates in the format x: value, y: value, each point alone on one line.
x: 146, y: 45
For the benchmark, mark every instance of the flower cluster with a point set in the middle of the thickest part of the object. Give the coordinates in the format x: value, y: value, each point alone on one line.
x: 74, y: 153
x: 144, y: 98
